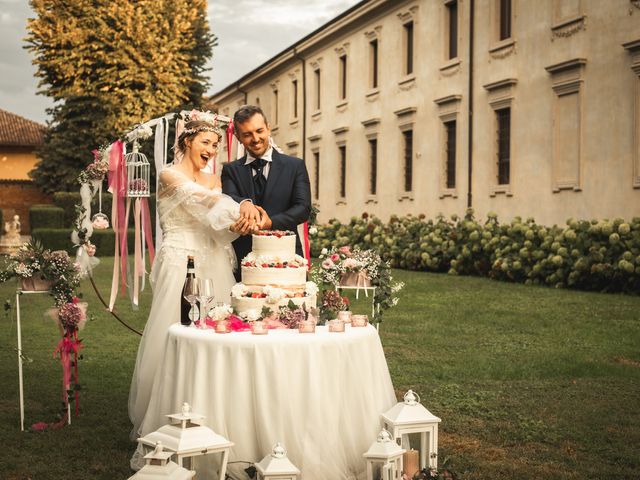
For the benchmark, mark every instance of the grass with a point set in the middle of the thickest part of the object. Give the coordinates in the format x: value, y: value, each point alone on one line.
x: 530, y: 382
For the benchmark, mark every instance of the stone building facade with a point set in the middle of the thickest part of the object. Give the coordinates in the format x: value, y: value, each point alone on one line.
x: 430, y: 106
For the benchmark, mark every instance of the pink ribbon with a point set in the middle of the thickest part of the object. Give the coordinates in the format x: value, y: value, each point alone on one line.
x: 67, y: 345
x: 146, y: 225
x: 229, y: 142
x: 307, y: 248
x: 117, y: 181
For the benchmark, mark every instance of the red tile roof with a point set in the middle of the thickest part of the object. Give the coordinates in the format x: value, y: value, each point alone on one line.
x: 18, y: 131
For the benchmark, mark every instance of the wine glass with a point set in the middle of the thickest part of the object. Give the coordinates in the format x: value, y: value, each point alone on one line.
x: 205, y: 295
x: 191, y: 292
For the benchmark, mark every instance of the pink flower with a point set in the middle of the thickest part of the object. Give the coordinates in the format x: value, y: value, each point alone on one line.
x: 345, y: 250
x: 335, y: 257
x: 327, y: 264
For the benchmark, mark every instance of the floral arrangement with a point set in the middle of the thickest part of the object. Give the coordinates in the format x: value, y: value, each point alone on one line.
x: 338, y: 261
x: 33, y: 260
x: 332, y: 303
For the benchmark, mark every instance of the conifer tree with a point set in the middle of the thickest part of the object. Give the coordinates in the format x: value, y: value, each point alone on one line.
x: 108, y: 65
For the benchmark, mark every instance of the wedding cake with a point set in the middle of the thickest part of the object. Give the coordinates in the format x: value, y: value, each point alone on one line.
x: 273, y: 275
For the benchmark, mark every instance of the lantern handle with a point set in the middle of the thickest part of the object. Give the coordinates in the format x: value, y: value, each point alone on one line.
x: 411, y: 398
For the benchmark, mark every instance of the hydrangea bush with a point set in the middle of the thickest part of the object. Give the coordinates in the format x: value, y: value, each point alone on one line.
x: 600, y: 255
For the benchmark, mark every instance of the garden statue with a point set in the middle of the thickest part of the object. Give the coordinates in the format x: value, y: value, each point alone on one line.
x: 11, y: 241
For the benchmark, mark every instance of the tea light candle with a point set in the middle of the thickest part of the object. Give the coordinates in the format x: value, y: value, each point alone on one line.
x: 222, y: 326
x: 336, y: 325
x: 258, y: 328
x: 359, y: 321
x: 345, y: 316
x: 307, y: 326
x: 410, y: 462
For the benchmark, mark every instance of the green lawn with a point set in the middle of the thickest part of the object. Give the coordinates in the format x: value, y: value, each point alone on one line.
x: 530, y: 383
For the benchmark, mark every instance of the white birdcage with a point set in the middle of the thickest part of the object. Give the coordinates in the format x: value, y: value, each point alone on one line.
x: 138, y: 173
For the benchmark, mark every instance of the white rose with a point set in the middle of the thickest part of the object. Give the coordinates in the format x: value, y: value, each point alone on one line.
x: 274, y: 295
x: 311, y: 288
x: 313, y: 230
x: 221, y: 312
x: 239, y: 290
x: 324, y: 251
x: 251, y: 315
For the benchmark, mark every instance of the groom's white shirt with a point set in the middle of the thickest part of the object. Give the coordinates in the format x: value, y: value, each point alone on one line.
x: 267, y: 157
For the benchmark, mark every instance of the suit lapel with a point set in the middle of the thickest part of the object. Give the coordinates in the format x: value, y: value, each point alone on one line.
x: 275, y: 169
x: 246, y: 178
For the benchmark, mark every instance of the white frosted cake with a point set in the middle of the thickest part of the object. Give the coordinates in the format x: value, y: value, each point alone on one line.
x: 272, y: 275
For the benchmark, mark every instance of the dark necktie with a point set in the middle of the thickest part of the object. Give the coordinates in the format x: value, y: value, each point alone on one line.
x: 259, y: 180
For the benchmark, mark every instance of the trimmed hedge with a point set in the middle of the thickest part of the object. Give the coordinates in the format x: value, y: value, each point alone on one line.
x: 589, y: 255
x: 60, y: 239
x: 46, y: 216
x: 69, y: 200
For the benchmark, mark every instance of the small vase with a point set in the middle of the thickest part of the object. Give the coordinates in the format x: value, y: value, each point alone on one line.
x: 35, y: 284
x: 359, y: 321
x: 336, y: 325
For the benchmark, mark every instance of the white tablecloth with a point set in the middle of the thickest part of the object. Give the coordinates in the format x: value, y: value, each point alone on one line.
x: 321, y: 394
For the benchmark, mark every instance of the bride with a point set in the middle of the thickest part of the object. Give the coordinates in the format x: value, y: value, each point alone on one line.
x: 197, y: 220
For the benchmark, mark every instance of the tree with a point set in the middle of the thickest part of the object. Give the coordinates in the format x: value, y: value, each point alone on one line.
x: 108, y: 65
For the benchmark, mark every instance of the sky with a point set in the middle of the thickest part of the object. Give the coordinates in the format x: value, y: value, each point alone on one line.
x: 249, y: 33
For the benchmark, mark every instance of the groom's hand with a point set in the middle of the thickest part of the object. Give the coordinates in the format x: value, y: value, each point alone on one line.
x: 248, y: 211
x: 265, y: 221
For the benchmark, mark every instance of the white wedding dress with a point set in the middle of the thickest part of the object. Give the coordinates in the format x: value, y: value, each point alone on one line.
x: 195, y: 221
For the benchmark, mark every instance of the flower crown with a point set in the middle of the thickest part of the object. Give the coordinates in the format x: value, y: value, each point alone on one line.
x: 208, y: 117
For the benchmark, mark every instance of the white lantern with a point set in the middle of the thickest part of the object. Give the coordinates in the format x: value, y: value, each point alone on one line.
x: 159, y: 466
x: 384, y: 458
x: 138, y: 173
x: 187, y: 438
x: 276, y: 466
x: 410, y: 417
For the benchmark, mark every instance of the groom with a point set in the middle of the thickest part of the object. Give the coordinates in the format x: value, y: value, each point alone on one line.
x: 272, y: 188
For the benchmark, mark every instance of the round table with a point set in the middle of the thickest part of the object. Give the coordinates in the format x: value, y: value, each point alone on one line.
x: 320, y: 395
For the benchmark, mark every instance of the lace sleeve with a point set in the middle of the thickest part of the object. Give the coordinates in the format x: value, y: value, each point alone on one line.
x: 209, y: 207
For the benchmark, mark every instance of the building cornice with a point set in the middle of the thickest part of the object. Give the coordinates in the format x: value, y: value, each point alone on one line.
x: 327, y: 33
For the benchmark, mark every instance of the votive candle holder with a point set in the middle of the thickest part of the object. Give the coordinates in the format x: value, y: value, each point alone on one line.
x: 345, y: 316
x: 307, y: 326
x: 258, y: 328
x: 222, y: 326
x: 336, y: 325
x: 359, y: 321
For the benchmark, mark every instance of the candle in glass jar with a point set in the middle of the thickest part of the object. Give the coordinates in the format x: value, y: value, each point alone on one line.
x: 359, y: 321
x: 307, y: 326
x: 222, y: 326
x: 345, y: 316
x: 410, y: 462
x: 336, y: 325
x: 258, y: 328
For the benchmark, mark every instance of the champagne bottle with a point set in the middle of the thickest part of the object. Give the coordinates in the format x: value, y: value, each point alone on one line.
x: 189, y: 295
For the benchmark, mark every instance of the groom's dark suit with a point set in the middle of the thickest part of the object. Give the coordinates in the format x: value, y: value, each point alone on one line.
x: 287, y: 195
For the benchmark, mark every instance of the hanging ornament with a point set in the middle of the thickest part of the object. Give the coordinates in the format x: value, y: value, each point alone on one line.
x: 100, y: 221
